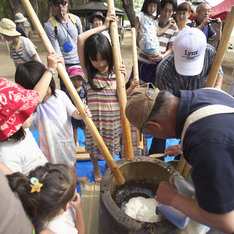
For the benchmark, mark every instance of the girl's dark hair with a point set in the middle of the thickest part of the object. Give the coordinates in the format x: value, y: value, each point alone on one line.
x: 17, y: 136
x: 145, y: 6
x: 173, y: 2
x: 94, y: 44
x: 29, y: 73
x: 59, y: 184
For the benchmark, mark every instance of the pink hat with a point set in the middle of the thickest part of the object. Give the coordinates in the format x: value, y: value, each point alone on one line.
x: 75, y: 71
x: 16, y: 105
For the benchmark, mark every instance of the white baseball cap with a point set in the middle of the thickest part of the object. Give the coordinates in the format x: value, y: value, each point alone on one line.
x: 189, y: 49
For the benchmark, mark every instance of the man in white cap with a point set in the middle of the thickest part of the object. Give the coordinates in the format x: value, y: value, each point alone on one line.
x: 207, y: 146
x: 189, y: 66
x: 186, y: 69
x: 19, y: 21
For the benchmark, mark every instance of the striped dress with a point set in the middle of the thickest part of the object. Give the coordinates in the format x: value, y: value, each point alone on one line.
x: 105, y: 110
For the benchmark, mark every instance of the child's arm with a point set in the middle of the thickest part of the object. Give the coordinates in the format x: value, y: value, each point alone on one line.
x: 80, y: 221
x: 41, y: 87
x: 35, y: 58
x: 83, y: 36
x: 160, y: 31
x: 6, y: 170
x: 76, y: 113
x: 137, y: 25
x: 134, y: 84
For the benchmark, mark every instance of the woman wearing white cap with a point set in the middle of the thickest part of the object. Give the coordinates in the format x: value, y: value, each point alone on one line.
x: 21, y: 48
x: 19, y: 21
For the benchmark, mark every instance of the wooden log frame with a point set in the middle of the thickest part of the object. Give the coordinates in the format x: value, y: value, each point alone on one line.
x: 121, y: 91
x: 183, y: 166
x: 75, y: 97
x: 81, y: 154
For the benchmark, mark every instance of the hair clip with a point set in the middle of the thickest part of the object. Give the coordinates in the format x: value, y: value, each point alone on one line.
x: 35, y: 185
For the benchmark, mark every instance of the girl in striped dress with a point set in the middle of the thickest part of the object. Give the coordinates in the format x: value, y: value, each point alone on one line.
x: 96, y: 59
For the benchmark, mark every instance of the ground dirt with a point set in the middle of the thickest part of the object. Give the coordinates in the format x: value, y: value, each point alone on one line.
x: 7, y: 67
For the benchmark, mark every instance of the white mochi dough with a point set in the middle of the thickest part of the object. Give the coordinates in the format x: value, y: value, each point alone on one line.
x: 142, y: 209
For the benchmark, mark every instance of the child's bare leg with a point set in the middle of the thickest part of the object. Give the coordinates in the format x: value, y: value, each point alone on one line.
x: 82, y: 179
x: 75, y: 137
x: 96, y: 169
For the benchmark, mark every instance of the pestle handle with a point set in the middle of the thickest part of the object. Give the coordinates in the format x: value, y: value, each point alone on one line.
x: 75, y: 97
x: 228, y: 27
x: 121, y: 91
x: 136, y: 75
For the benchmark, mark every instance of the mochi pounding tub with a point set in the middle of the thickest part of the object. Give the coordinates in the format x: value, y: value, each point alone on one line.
x: 142, y: 177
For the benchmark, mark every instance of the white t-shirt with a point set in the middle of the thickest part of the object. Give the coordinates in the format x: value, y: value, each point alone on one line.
x: 22, y: 156
x: 55, y: 129
x: 25, y: 53
x: 63, y: 224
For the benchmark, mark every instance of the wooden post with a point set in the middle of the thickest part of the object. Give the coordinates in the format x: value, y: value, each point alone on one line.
x: 75, y: 97
x: 221, y: 49
x: 121, y: 91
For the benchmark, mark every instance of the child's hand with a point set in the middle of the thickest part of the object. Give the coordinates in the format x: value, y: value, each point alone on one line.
x: 52, y: 60
x: 134, y: 83
x: 87, y: 111
x: 172, y: 22
x: 158, y: 56
x: 121, y: 68
x: 110, y: 17
x: 77, y: 203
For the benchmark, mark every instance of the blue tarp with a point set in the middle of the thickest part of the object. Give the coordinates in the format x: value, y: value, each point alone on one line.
x: 85, y: 168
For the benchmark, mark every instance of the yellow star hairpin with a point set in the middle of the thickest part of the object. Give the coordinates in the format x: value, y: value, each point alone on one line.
x: 35, y: 185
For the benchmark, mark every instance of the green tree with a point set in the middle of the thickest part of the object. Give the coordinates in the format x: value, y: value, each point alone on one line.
x: 5, y: 11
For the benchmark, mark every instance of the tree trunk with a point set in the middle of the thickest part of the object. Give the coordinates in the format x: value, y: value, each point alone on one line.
x: 128, y: 6
x: 16, y: 6
x: 50, y: 10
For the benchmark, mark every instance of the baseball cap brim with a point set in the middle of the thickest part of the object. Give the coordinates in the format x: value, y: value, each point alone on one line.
x: 82, y: 76
x: 192, y: 68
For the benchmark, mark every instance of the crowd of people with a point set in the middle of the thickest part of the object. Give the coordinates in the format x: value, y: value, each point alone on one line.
x: 174, y: 61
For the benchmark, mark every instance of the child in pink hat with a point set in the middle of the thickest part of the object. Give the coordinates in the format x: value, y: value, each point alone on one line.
x: 77, y: 78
